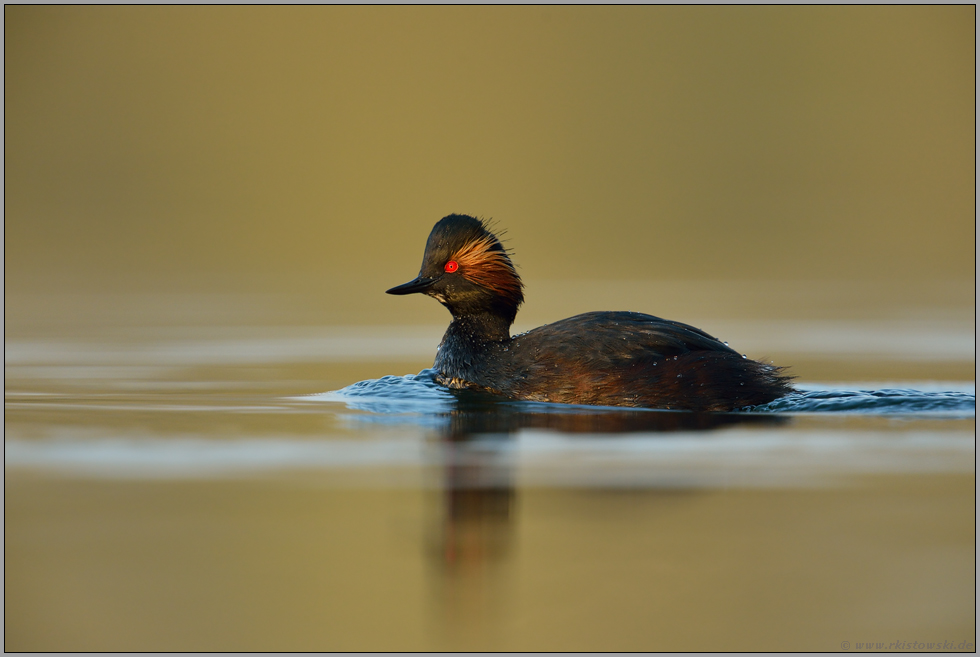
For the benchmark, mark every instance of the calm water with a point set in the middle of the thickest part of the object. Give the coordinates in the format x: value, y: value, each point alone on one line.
x: 201, y: 203
x: 275, y: 490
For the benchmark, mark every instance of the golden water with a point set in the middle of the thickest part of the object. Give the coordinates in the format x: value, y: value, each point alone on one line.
x: 168, y: 488
x: 203, y: 206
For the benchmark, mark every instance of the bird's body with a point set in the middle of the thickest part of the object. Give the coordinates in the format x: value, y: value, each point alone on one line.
x: 597, y: 358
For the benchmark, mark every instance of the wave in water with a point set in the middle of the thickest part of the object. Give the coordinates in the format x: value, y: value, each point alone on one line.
x: 420, y: 393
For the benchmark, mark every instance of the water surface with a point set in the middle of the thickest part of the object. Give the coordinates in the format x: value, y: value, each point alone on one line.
x: 181, y: 491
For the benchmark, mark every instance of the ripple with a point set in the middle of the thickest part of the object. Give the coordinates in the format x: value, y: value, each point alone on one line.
x: 412, y: 393
x: 421, y: 394
x: 886, y: 401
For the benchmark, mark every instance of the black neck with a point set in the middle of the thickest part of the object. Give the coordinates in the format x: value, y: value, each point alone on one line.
x: 483, y: 327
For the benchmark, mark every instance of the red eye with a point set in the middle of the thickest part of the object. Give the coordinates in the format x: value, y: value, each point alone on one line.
x: 452, y: 266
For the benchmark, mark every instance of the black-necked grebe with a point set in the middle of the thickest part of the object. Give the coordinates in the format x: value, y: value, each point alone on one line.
x: 599, y: 358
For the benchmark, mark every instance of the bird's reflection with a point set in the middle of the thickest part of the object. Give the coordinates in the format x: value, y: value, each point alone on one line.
x: 478, y: 493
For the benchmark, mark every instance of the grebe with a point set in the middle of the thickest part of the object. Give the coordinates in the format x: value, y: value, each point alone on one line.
x: 598, y: 358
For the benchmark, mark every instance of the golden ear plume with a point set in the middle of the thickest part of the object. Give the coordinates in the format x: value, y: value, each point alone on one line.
x: 484, y: 262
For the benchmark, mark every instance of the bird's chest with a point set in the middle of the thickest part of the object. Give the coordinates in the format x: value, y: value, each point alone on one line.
x: 463, y: 363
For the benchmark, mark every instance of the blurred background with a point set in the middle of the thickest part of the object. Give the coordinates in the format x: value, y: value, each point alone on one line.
x: 300, y: 155
x: 203, y: 207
